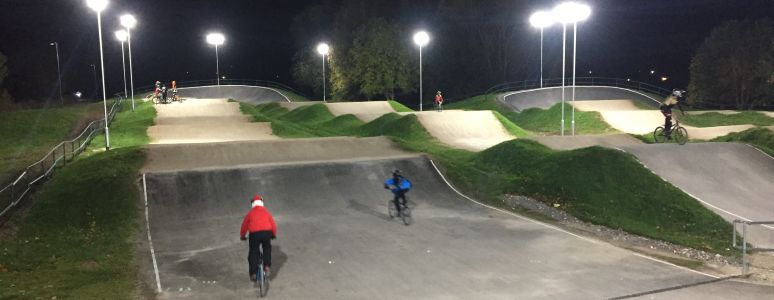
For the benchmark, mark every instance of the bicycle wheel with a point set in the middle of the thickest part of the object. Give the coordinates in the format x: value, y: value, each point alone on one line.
x: 405, y: 215
x: 680, y: 135
x: 391, y: 209
x: 262, y: 282
x: 658, y: 135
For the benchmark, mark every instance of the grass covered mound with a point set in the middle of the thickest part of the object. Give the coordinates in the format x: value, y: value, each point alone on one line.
x: 761, y: 138
x: 27, y: 135
x: 129, y: 128
x: 607, y: 187
x: 542, y: 121
x: 398, y: 107
x: 598, y: 185
x: 717, y: 119
x: 76, y: 241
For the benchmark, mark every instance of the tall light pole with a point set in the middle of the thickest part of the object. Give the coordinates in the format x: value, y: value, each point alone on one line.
x: 98, y: 6
x: 128, y: 21
x: 323, y: 49
x: 121, y: 36
x: 216, y: 39
x: 571, y: 12
x: 421, y: 38
x: 541, y: 20
x: 58, y: 71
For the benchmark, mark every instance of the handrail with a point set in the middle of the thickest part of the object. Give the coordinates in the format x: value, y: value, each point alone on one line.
x: 744, y: 248
x: 36, y: 173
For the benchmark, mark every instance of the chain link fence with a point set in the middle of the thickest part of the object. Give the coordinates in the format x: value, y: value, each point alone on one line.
x: 35, y: 174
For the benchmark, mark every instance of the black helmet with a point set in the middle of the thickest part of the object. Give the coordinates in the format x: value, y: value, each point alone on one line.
x: 396, y: 173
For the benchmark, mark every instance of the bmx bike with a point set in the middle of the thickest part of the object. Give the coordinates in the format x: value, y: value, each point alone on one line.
x: 678, y: 134
x: 404, y: 213
x: 261, y: 279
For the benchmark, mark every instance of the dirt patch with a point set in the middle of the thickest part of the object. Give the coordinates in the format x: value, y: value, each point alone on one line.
x: 762, y: 264
x: 89, y: 265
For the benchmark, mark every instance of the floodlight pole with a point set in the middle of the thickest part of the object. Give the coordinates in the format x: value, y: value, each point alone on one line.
x: 323, y: 71
x: 574, y: 52
x: 564, y: 68
x: 541, y: 57
x: 131, y: 75
x: 420, y: 78
x: 217, y: 64
x: 58, y: 72
x: 123, y: 65
x: 102, y: 69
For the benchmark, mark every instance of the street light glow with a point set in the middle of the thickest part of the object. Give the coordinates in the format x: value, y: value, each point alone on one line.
x: 128, y: 21
x: 571, y: 12
x: 542, y: 19
x: 97, y: 5
x: 121, y: 35
x: 421, y: 38
x: 215, y: 39
x: 323, y: 48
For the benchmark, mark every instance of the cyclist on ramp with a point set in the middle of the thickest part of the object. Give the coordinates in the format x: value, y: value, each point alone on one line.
x: 399, y: 187
x: 676, y: 98
x: 259, y: 223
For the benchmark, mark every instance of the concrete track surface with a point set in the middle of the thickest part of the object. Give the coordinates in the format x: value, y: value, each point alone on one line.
x: 583, y: 141
x: 735, y: 180
x: 546, y: 97
x: 337, y: 242
x: 244, y: 93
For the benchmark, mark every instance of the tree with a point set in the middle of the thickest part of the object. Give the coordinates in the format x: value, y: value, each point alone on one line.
x: 6, y: 102
x: 735, y: 65
x: 381, y: 60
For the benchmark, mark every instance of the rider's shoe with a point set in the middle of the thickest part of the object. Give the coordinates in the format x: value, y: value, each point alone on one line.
x: 253, y: 277
x: 267, y: 272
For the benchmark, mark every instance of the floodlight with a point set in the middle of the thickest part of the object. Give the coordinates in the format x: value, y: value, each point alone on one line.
x: 97, y: 5
x: 571, y: 12
x: 215, y: 39
x: 541, y: 19
x: 121, y: 35
x: 128, y: 21
x: 323, y: 48
x: 421, y: 38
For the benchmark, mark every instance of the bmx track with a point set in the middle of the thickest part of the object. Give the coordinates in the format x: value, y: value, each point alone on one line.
x: 734, y: 180
x: 337, y: 242
x: 244, y: 93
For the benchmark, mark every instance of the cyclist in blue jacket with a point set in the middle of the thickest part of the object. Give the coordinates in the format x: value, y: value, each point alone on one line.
x: 399, y: 187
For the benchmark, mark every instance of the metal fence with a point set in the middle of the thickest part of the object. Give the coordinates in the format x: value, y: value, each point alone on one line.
x: 38, y: 172
x: 208, y: 82
x: 743, y: 246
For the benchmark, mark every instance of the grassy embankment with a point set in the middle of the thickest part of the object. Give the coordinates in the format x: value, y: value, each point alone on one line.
x: 717, y: 119
x: 595, y: 184
x: 539, y: 121
x: 27, y: 135
x: 76, y: 242
x: 761, y: 138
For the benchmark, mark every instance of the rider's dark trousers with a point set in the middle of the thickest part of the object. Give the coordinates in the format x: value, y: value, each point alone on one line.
x: 401, y: 194
x: 258, y: 240
x: 667, y: 123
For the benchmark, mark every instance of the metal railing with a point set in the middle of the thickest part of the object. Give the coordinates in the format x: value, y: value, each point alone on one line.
x: 37, y: 173
x: 744, y: 248
x: 208, y: 82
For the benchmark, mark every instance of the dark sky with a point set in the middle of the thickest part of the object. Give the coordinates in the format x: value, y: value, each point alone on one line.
x: 621, y: 38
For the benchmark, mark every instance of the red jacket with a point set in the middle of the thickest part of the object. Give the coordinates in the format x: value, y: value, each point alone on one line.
x: 438, y: 99
x: 258, y: 219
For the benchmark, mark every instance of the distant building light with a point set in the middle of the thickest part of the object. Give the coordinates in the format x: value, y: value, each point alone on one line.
x: 590, y: 72
x: 224, y: 77
x: 78, y: 94
x: 652, y: 72
x: 664, y: 78
x: 628, y: 79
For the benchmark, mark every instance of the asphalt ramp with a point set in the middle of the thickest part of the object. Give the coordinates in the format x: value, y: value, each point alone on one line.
x: 336, y: 241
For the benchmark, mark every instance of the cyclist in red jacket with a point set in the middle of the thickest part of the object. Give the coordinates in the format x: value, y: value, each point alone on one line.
x: 260, y: 225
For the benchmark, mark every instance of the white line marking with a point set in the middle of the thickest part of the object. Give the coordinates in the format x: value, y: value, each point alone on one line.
x: 150, y: 241
x: 559, y: 229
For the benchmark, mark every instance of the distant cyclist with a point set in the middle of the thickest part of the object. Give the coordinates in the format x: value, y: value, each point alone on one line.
x: 399, y: 187
x: 164, y: 93
x: 157, y: 91
x: 259, y: 223
x: 173, y: 88
x: 438, y: 101
x: 676, y: 98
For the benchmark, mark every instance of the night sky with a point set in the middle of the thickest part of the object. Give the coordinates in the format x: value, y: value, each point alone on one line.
x: 622, y: 38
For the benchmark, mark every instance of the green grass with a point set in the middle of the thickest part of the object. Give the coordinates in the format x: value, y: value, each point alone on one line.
x: 398, y: 107
x: 128, y: 128
x: 598, y: 185
x: 541, y: 121
x: 761, y: 138
x: 27, y: 135
x: 717, y: 119
x: 510, y: 127
x: 548, y: 121
x: 77, y: 240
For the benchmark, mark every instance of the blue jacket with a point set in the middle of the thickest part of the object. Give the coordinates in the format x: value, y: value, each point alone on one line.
x: 405, y: 184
